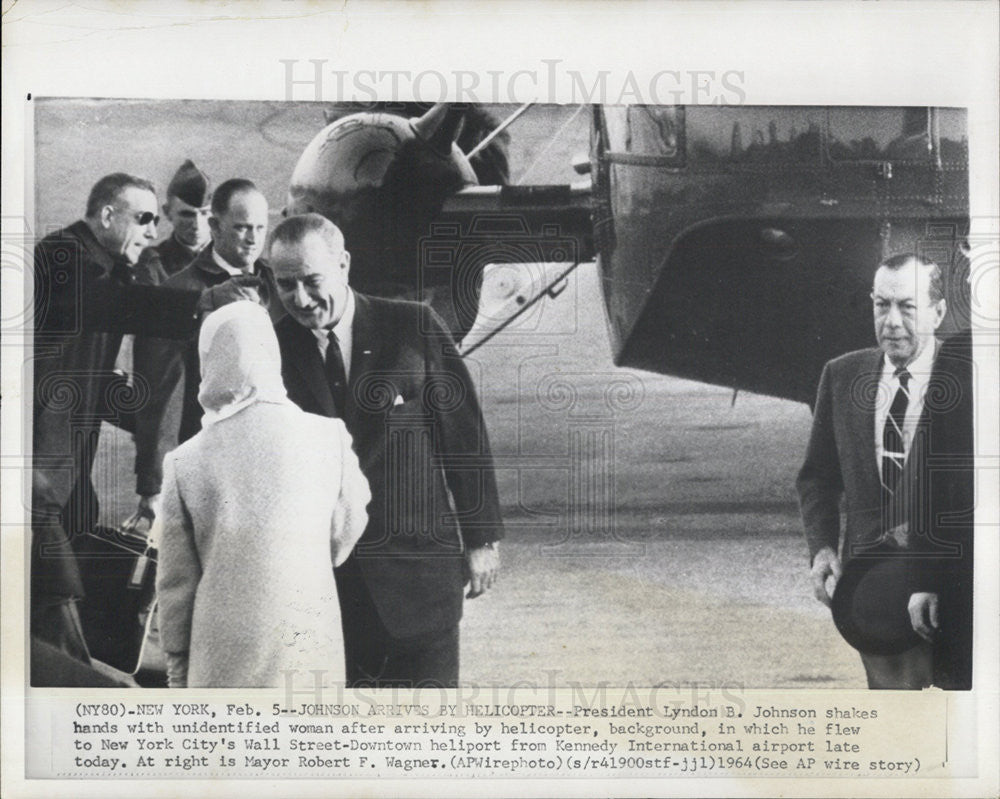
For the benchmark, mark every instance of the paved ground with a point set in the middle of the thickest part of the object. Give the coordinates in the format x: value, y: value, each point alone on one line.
x: 653, y: 534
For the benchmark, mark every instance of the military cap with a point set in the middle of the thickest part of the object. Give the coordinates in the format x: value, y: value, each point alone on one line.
x: 191, y: 185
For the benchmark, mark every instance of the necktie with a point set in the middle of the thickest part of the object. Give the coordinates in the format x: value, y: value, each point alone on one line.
x: 336, y: 374
x: 893, y: 450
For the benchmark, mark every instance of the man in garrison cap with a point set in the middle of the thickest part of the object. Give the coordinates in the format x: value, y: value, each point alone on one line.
x: 187, y: 208
x: 239, y: 219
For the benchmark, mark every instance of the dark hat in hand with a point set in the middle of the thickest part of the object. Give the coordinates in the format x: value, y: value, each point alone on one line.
x: 870, y: 602
x: 191, y: 185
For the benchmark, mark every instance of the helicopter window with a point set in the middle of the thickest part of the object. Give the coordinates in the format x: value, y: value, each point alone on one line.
x: 754, y: 134
x: 880, y: 134
x: 952, y: 133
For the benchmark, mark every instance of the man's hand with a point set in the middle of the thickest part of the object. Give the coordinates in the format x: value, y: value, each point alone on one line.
x: 899, y: 535
x: 146, y: 511
x: 240, y: 287
x: 923, y: 609
x: 826, y: 564
x: 482, y: 565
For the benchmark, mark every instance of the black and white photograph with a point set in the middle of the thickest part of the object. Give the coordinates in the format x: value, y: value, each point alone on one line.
x: 641, y: 394
x: 738, y: 248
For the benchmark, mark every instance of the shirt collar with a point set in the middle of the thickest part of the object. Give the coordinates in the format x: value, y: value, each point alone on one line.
x: 191, y: 250
x: 919, y: 368
x: 224, y: 265
x: 344, y: 325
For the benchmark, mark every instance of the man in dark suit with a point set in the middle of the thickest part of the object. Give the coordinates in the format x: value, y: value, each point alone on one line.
x: 172, y: 415
x: 86, y: 299
x: 869, y: 447
x: 391, y: 371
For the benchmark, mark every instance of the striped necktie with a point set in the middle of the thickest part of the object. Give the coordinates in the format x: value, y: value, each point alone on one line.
x: 893, y: 449
x: 336, y: 374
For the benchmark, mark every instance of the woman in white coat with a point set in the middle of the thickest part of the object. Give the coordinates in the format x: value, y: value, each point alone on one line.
x: 257, y: 509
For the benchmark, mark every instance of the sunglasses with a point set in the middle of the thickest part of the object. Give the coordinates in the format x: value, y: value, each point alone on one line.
x: 146, y: 217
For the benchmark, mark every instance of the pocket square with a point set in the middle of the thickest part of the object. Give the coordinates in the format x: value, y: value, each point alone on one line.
x: 398, y: 400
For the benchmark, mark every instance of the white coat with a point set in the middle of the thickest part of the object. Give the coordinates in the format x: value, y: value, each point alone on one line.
x: 257, y: 508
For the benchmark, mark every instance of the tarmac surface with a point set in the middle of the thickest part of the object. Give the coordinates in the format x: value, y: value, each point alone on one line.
x: 653, y: 535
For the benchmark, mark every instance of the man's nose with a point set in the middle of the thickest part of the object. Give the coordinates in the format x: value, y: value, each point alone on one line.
x: 300, y: 296
x: 894, y: 317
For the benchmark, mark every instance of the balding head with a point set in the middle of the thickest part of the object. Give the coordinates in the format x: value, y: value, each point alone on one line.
x: 295, y: 228
x: 238, y: 222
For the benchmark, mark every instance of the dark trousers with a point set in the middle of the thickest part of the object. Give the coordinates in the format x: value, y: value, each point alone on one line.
x: 910, y: 670
x: 376, y: 659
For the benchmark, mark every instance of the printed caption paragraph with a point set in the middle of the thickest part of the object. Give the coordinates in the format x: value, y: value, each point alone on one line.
x: 574, y: 733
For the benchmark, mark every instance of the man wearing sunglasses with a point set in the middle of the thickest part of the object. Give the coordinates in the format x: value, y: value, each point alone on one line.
x: 86, y: 298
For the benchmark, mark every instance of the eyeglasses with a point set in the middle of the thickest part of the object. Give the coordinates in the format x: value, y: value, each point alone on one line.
x: 146, y: 217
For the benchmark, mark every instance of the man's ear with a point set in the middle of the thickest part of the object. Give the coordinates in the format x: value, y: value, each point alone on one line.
x: 213, y: 224
x: 940, y: 310
x: 107, y: 212
x: 346, y: 263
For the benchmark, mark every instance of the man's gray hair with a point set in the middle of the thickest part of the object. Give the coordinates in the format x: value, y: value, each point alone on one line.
x: 935, y: 288
x: 295, y: 228
x: 107, y: 190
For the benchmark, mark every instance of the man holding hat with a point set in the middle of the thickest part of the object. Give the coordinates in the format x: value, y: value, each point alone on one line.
x: 187, y: 208
x: 872, y: 446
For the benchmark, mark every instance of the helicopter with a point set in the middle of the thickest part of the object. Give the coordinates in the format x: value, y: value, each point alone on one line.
x: 735, y: 244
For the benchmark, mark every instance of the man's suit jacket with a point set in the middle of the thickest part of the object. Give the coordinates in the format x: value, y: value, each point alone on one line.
x: 936, y: 481
x: 841, y: 460
x: 419, y: 435
x: 169, y: 418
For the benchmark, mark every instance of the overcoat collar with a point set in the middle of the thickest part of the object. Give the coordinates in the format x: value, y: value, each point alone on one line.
x: 205, y: 261
x: 96, y: 252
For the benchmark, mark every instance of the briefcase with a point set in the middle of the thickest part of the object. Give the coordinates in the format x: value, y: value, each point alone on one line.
x: 119, y: 583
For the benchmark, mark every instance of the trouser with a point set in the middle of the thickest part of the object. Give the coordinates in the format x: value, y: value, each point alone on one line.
x: 55, y: 621
x: 910, y: 670
x: 376, y: 659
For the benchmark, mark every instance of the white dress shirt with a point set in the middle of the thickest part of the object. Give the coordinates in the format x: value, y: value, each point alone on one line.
x: 345, y: 335
x: 888, y: 385
x: 224, y: 265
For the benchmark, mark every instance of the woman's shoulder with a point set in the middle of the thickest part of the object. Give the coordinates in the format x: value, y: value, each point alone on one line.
x: 187, y: 450
x: 331, y: 425
x: 311, y: 423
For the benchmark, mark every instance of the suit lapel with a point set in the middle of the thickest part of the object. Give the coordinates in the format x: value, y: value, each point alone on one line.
x: 308, y: 364
x: 915, y: 454
x: 365, y: 350
x: 864, y: 395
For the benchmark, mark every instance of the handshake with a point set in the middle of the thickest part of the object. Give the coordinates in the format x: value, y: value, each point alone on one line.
x: 240, y: 287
